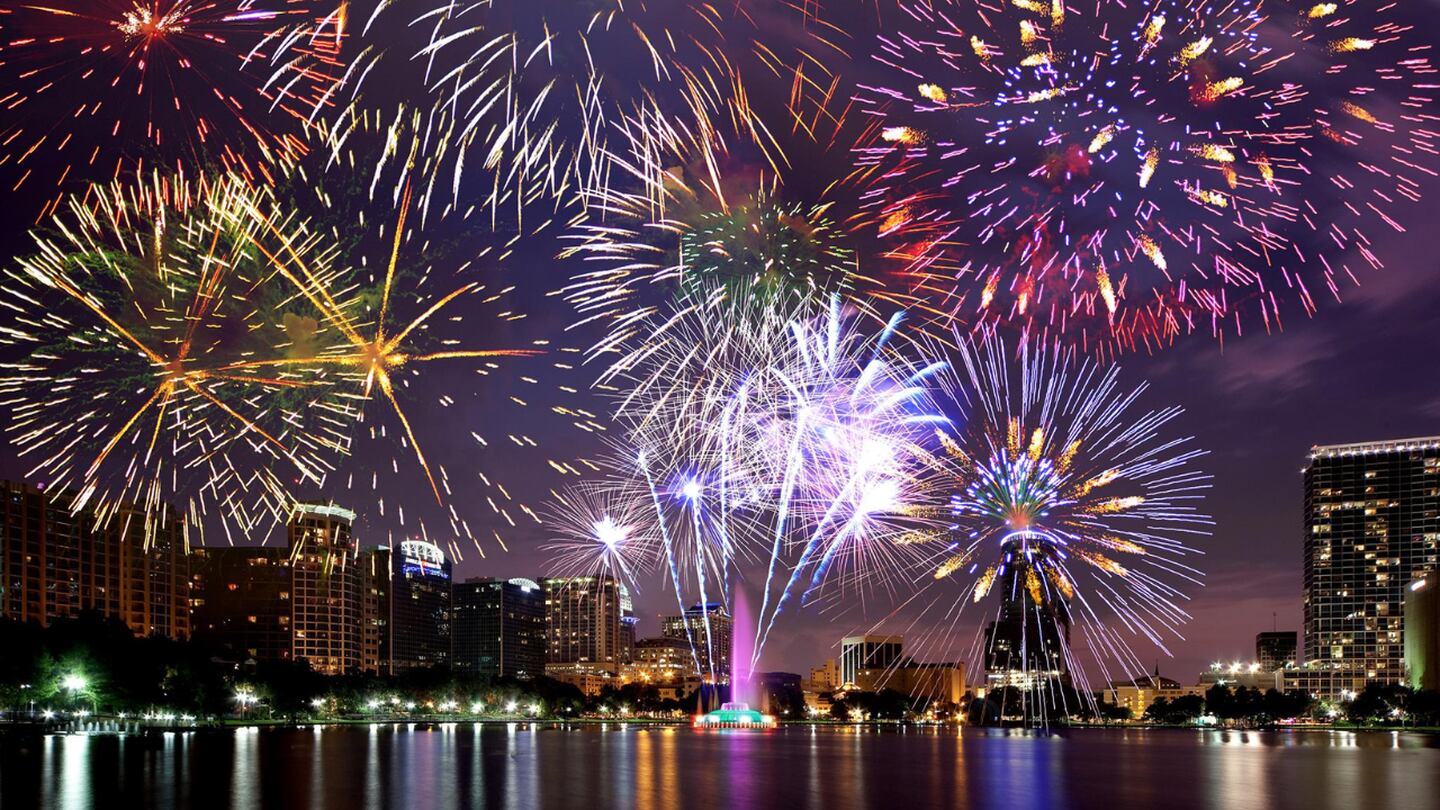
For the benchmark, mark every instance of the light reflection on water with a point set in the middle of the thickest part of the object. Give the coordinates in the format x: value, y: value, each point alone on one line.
x: 524, y: 765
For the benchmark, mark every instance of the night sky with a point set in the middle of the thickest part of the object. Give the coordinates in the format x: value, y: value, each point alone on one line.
x: 1363, y: 369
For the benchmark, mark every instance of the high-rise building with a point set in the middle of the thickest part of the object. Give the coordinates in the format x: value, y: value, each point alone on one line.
x: 498, y: 628
x: 128, y: 565
x: 242, y: 601
x: 326, y: 589
x: 711, y: 630
x: 1422, y: 632
x: 1372, y: 525
x: 412, y: 608
x: 867, y: 652
x: 1025, y: 645
x: 1275, y: 649
x: 585, y: 622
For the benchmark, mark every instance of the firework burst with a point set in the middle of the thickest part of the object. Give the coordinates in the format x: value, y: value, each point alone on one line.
x: 602, y: 528
x: 1128, y: 174
x: 99, y: 88
x: 138, y: 318
x: 1067, y: 505
x: 781, y: 454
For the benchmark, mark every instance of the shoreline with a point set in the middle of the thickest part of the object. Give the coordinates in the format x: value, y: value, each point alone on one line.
x: 129, y: 728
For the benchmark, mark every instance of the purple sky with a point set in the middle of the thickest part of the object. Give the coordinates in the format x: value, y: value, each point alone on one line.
x: 1364, y: 369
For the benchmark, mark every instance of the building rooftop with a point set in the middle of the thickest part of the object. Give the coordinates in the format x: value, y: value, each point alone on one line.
x: 1369, y: 448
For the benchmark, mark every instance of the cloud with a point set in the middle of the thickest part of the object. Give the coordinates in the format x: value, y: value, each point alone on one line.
x: 1268, y: 366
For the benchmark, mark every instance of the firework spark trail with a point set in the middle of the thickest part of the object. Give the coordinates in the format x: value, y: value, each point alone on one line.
x: 1132, y: 173
x: 517, y: 98
x: 675, y: 224
x: 670, y: 554
x: 775, y: 431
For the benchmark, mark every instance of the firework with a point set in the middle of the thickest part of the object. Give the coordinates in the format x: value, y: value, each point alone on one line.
x: 791, y: 443
x: 1126, y: 175
x: 137, y: 318
x: 516, y: 98
x: 602, y: 528
x: 683, y: 218
x: 99, y: 88
x: 1067, y: 506
x: 379, y: 329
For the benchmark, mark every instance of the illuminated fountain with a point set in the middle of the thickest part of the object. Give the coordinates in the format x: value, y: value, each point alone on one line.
x: 737, y: 713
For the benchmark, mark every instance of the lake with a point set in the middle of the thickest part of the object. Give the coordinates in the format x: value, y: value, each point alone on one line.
x: 548, y: 766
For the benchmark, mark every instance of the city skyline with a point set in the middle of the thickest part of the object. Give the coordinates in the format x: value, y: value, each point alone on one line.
x: 1356, y: 371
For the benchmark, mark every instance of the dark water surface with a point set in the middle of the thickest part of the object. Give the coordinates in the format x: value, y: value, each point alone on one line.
x: 524, y: 766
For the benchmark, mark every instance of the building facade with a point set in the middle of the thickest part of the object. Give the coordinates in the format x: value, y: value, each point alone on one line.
x: 1277, y: 649
x: 54, y: 564
x: 936, y: 682
x: 585, y: 622
x: 242, y: 601
x: 327, y: 617
x: 824, y: 678
x: 1372, y: 525
x: 711, y: 630
x: 1137, y: 695
x: 498, y: 628
x: 664, y: 661
x: 867, y: 652
x: 1422, y: 632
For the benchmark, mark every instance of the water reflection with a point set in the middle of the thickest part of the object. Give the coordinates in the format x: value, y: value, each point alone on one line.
x: 527, y: 765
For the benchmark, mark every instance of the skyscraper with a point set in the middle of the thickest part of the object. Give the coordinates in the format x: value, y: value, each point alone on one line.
x: 498, y: 628
x: 55, y: 563
x: 1372, y: 525
x: 1276, y: 649
x: 326, y: 594
x: 868, y: 652
x: 711, y: 629
x: 1026, y: 643
x: 584, y: 622
x: 412, y: 608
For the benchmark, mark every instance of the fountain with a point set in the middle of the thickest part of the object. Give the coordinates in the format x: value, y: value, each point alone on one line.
x: 736, y: 713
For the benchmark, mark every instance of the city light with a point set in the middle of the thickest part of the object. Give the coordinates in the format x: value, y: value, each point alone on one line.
x: 74, y: 683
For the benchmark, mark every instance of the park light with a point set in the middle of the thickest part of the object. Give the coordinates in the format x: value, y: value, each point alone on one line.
x: 246, y: 698
x: 317, y: 702
x: 74, y: 683
x: 510, y: 707
x: 47, y: 714
x: 477, y: 708
x: 372, y: 705
x: 533, y: 708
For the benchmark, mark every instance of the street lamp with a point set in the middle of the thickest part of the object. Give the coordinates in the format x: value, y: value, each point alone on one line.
x: 246, y: 699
